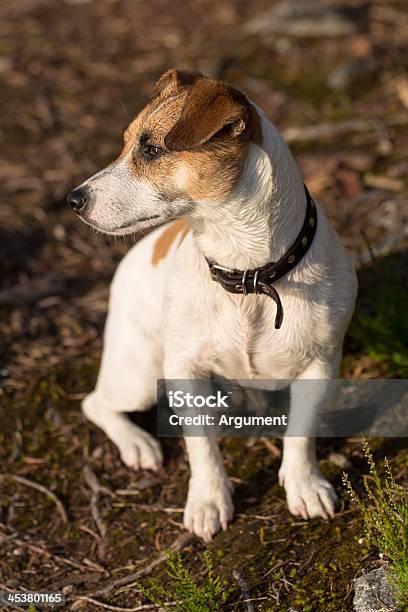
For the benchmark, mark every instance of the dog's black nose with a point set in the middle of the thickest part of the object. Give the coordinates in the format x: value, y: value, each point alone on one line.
x: 78, y: 199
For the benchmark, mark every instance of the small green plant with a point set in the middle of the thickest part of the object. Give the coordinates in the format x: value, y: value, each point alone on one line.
x: 189, y: 596
x: 386, y: 519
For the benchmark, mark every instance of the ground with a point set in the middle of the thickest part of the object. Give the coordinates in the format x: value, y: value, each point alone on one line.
x: 73, y: 74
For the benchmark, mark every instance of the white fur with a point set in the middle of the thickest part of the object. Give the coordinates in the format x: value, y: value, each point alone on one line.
x: 173, y: 321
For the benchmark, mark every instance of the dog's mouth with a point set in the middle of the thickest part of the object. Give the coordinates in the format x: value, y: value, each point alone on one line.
x: 129, y: 227
x: 135, y: 221
x: 138, y: 224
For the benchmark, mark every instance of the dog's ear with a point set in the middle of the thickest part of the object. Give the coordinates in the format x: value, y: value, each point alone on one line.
x: 211, y: 106
x: 174, y: 79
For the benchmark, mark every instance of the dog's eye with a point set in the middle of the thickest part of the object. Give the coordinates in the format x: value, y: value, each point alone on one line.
x: 150, y: 151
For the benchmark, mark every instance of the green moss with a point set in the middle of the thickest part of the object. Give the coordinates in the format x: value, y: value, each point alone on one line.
x: 380, y: 324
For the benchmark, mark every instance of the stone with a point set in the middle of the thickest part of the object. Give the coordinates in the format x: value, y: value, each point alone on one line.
x: 374, y: 593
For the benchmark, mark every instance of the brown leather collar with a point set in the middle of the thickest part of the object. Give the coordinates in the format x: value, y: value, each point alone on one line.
x: 259, y: 280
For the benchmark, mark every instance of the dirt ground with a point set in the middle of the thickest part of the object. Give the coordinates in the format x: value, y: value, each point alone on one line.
x: 73, y: 73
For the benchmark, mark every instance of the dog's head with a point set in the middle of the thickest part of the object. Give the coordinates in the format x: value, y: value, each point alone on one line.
x: 187, y: 145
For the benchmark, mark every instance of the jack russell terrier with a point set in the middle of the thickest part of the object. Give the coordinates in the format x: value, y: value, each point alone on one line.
x: 203, y: 158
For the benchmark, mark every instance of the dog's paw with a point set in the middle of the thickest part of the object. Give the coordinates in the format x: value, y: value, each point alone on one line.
x: 308, y: 493
x: 139, y: 450
x: 209, y: 507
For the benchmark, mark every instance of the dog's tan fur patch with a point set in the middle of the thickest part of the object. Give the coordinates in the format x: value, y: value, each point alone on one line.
x: 165, y: 240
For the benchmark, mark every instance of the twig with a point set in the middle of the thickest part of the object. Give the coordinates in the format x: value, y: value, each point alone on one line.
x: 329, y: 130
x: 272, y: 448
x: 324, y: 130
x: 182, y: 540
x: 100, y: 604
x: 156, y: 508
x: 93, y: 483
x: 369, y: 247
x: 245, y: 591
x: 376, y: 251
x: 42, y: 489
x: 39, y: 550
x: 31, y: 291
x: 384, y: 183
x: 258, y: 517
x: 96, y: 488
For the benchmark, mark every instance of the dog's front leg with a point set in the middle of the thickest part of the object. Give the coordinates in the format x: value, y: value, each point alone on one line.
x: 308, y: 493
x: 209, y: 505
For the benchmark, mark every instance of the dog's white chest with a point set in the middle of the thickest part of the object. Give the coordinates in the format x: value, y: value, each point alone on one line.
x: 243, y: 342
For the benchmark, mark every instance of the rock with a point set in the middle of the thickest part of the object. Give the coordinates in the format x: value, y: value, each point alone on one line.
x: 340, y: 460
x: 308, y: 18
x: 374, y: 593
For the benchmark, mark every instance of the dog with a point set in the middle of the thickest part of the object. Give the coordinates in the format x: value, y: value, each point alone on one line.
x: 206, y: 161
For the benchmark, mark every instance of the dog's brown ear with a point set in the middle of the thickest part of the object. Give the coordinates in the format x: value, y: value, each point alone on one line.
x: 174, y: 79
x: 210, y: 106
